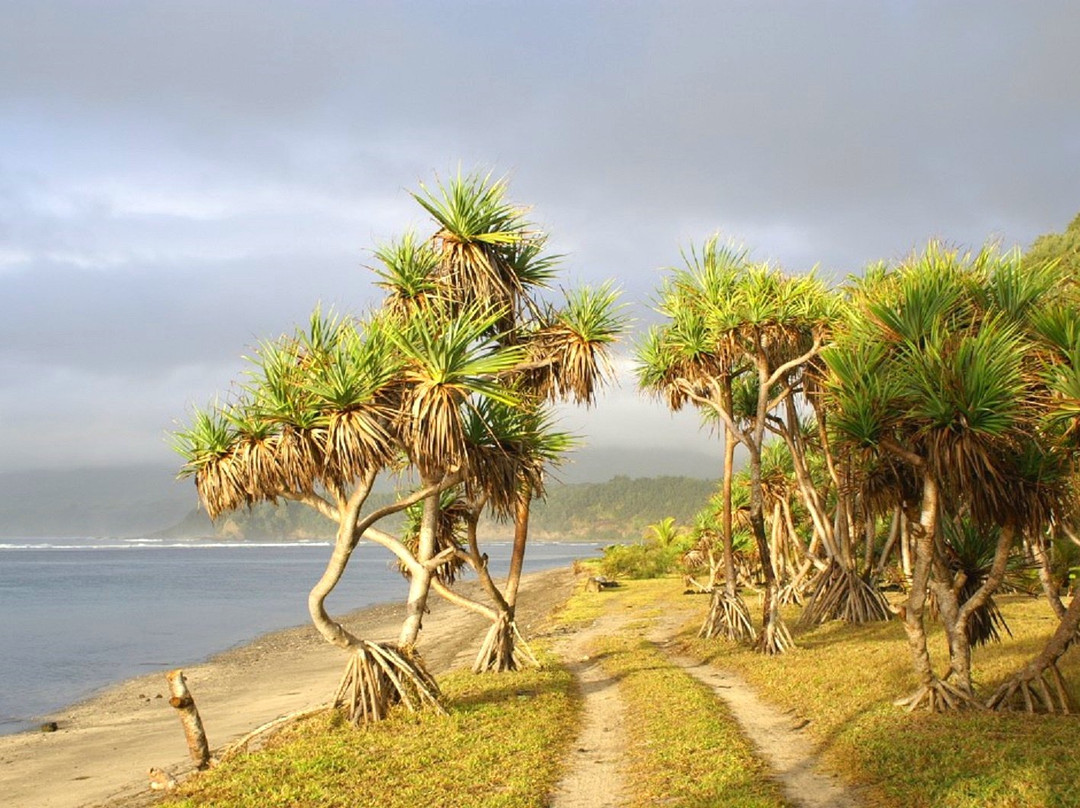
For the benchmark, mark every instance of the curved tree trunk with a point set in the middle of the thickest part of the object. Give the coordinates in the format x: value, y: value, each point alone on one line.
x: 377, y: 676
x: 521, y: 538
x: 774, y: 637
x: 959, y: 637
x: 420, y: 579
x: 503, y: 648
x: 932, y: 693
x: 1046, y: 577
x: 728, y: 537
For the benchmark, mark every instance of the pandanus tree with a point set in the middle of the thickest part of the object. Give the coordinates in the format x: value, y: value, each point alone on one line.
x: 324, y: 412
x: 686, y: 352
x: 1038, y: 685
x: 937, y: 383
x: 331, y: 407
x: 511, y: 451
x: 727, y: 318
x: 484, y: 251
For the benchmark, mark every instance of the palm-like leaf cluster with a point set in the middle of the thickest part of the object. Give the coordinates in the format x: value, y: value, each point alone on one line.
x: 317, y: 412
x: 459, y: 351
x: 723, y: 312
x: 941, y: 363
x: 488, y: 252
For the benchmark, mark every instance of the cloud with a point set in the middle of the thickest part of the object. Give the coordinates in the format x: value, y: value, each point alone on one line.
x: 178, y: 180
x: 622, y: 416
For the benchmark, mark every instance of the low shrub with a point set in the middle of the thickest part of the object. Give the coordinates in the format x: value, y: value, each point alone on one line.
x: 644, y: 559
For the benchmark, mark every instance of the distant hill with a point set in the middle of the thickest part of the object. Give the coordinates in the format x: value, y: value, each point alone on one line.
x: 616, y: 510
x: 140, y: 500
x: 125, y: 501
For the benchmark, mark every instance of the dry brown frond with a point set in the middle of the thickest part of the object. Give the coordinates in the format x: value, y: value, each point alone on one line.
x: 433, y: 427
x: 356, y: 441
x: 568, y: 366
x: 222, y: 485
x: 301, y: 454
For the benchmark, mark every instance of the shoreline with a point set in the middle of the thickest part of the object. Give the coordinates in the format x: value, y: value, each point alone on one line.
x: 106, y: 742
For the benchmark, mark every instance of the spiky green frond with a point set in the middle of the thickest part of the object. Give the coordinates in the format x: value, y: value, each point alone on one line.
x: 929, y: 292
x: 512, y: 446
x: 473, y: 208
x: 569, y: 354
x: 409, y: 274
x: 448, y: 360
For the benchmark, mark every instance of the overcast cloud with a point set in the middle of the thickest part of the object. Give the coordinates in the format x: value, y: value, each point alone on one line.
x: 178, y: 180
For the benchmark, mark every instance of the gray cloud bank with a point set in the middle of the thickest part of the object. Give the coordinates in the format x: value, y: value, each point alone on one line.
x: 178, y: 180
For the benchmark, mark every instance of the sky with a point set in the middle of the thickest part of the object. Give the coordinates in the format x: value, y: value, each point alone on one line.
x: 179, y: 180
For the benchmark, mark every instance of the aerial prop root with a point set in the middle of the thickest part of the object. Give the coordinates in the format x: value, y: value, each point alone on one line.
x: 504, y: 649
x: 775, y: 638
x: 938, y: 696
x: 380, y: 675
x: 728, y: 617
x: 790, y: 593
x: 1037, y: 691
x: 842, y: 594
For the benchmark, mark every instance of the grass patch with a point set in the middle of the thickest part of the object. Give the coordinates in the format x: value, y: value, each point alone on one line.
x: 502, y: 746
x: 685, y: 748
x: 843, y: 679
x: 647, y: 596
x: 505, y: 741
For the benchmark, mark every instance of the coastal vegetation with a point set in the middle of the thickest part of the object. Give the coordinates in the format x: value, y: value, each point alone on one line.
x: 501, y: 745
x: 914, y: 427
x: 911, y: 445
x: 448, y: 386
x: 515, y: 731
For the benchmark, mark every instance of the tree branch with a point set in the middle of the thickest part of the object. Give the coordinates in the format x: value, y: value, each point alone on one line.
x: 396, y: 547
x: 891, y: 446
x: 458, y: 599
x: 313, y: 500
x: 778, y: 374
x: 448, y: 481
x: 729, y: 422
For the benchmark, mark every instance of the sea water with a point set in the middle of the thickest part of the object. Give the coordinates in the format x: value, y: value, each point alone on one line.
x: 77, y: 615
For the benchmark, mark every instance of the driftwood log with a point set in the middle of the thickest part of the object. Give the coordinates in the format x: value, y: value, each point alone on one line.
x: 184, y: 703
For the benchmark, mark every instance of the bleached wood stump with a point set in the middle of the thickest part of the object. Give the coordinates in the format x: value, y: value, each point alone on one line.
x: 184, y: 703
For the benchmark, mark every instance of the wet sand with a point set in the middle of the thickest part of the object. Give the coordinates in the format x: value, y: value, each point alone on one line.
x: 106, y: 744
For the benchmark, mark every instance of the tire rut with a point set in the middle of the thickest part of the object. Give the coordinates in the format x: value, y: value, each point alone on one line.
x: 780, y: 742
x: 596, y: 775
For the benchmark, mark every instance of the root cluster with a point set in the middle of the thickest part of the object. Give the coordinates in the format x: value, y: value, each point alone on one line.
x: 504, y: 649
x: 843, y: 594
x: 938, y: 697
x: 1033, y: 692
x: 775, y: 638
x: 380, y: 675
x: 728, y: 617
x: 790, y: 593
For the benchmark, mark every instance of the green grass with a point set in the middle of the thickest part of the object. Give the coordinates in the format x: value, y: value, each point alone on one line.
x: 684, y: 746
x: 843, y: 679
x: 501, y: 747
x: 506, y: 739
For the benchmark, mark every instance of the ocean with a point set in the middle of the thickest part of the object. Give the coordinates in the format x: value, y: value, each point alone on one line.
x: 79, y: 614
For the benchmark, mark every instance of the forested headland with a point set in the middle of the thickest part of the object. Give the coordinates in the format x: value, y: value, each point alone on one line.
x: 617, y: 510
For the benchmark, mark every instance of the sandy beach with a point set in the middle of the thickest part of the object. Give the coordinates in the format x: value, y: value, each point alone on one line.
x: 106, y: 744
